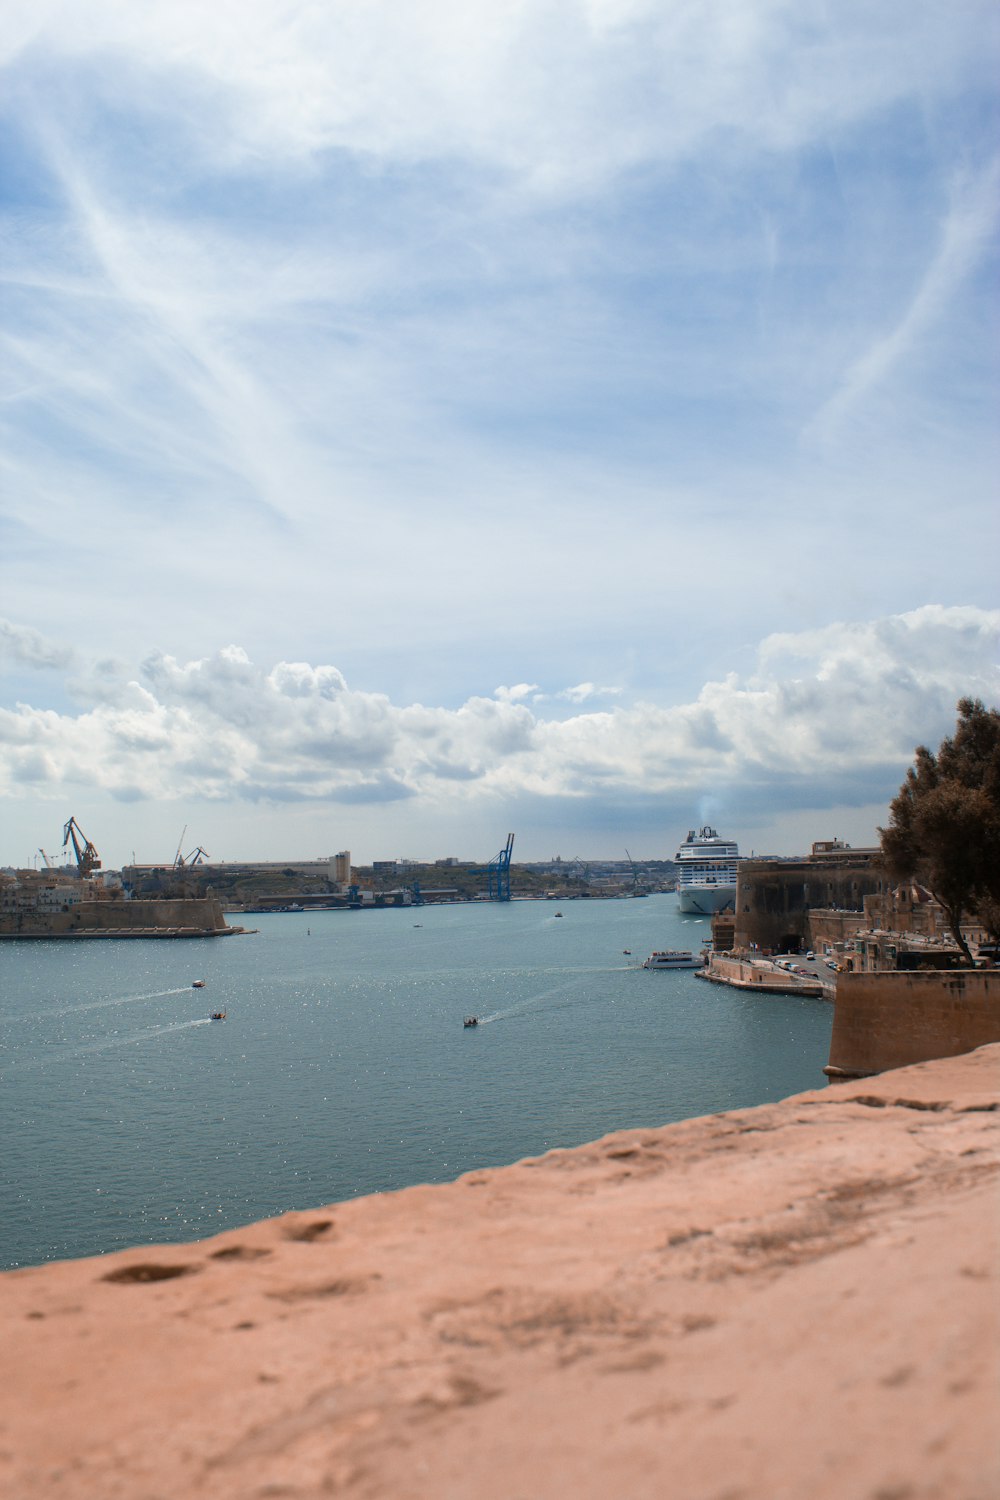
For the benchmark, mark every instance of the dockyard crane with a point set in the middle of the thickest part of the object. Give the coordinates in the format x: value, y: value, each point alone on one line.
x: 178, y: 857
x: 498, y: 872
x: 87, y: 858
x: 196, y: 856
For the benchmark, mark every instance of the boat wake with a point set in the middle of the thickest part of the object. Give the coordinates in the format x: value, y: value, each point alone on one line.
x: 532, y: 1002
x: 106, y: 1044
x: 73, y: 1010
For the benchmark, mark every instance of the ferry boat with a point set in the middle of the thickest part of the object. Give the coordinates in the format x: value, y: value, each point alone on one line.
x: 706, y: 872
x: 673, y: 959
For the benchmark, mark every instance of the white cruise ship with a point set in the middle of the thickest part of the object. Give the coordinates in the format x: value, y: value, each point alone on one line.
x: 706, y: 872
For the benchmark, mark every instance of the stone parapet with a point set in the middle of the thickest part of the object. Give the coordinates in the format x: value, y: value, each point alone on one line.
x: 796, y: 1300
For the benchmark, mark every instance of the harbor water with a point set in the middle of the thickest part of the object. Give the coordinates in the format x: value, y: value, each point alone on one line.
x: 343, y: 1066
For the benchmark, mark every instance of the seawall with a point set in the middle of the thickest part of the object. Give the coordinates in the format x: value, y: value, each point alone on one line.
x: 890, y: 1020
x: 190, y: 917
x: 762, y: 976
x: 796, y: 1300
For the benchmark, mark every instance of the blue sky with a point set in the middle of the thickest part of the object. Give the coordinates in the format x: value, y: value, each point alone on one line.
x: 574, y: 416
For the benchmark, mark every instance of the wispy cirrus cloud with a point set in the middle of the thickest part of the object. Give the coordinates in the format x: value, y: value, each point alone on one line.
x: 562, y: 93
x: 966, y: 237
x: 462, y: 347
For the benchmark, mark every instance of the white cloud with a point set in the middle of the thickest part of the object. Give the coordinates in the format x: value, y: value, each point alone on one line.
x: 223, y: 728
x: 559, y: 91
x: 465, y: 345
x: 965, y: 238
x: 26, y: 647
x: 586, y: 690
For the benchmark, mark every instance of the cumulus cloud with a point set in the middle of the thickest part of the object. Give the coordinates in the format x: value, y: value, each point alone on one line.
x: 457, y: 336
x: 585, y: 690
x: 841, y: 705
x: 28, y: 648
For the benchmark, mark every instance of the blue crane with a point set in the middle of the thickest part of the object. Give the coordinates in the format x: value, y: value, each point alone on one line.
x: 497, y: 872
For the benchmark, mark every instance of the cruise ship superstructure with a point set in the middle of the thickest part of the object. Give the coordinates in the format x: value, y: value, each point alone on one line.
x: 706, y: 872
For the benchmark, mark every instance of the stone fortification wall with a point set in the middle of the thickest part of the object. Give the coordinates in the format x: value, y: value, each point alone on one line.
x: 834, y: 928
x: 891, y: 1020
x: 774, y: 899
x: 104, y: 918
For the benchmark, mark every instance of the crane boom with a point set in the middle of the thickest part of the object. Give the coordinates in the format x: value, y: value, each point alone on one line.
x: 87, y: 858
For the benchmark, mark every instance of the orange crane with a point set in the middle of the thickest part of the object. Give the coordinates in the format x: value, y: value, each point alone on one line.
x: 87, y: 858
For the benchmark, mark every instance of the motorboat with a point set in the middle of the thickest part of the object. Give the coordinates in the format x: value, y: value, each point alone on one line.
x: 673, y: 959
x: 217, y: 1015
x: 198, y: 984
x: 471, y: 1021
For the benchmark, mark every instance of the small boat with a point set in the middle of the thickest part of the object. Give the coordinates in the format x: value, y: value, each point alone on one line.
x: 673, y: 959
x: 217, y: 1015
x: 558, y: 913
x: 471, y: 1021
x: 627, y: 952
x: 198, y: 984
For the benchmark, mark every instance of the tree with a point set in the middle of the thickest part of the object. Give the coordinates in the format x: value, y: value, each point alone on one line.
x: 944, y: 823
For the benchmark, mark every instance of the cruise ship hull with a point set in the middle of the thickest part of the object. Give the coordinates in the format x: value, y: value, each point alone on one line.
x: 703, y: 900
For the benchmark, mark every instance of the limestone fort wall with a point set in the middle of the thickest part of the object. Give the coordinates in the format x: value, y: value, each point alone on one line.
x: 891, y: 1020
x: 164, y: 918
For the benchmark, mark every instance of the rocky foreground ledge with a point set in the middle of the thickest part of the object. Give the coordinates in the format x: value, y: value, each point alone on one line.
x: 794, y: 1301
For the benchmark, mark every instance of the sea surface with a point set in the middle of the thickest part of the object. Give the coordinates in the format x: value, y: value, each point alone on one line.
x: 343, y: 1067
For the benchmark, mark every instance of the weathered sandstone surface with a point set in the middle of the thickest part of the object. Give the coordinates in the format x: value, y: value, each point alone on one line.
x: 793, y: 1301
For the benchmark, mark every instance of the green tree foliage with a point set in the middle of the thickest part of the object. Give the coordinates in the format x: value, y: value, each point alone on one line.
x: 944, y: 823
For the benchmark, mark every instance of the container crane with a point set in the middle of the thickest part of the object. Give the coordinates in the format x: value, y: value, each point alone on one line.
x: 498, y: 872
x: 87, y: 858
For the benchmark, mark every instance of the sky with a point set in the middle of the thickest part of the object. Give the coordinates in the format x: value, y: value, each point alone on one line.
x: 424, y: 422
